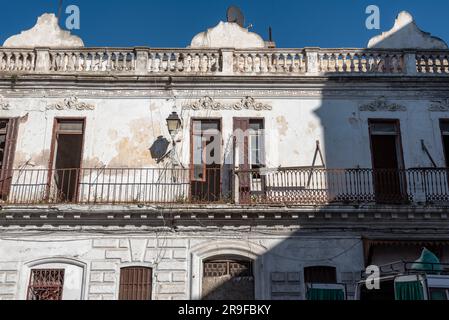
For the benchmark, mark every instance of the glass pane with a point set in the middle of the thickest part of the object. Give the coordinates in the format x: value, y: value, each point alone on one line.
x: 384, y: 128
x: 214, y: 126
x: 71, y: 126
x: 256, y: 125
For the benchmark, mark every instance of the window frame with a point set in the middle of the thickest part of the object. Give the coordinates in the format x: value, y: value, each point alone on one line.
x: 219, y: 121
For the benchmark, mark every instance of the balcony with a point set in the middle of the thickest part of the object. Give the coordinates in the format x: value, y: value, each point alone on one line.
x: 264, y: 187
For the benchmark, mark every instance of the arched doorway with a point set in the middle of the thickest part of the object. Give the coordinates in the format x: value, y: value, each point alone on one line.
x: 228, y: 278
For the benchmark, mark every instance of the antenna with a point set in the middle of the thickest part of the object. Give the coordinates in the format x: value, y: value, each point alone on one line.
x: 235, y: 15
x: 60, y: 10
x: 270, y: 34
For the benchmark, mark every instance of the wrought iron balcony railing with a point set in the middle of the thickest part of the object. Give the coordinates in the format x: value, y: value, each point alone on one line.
x: 286, y: 186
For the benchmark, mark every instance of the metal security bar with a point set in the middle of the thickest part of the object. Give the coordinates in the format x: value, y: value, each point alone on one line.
x: 46, y: 284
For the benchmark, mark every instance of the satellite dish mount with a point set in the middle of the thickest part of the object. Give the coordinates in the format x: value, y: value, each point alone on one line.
x: 235, y: 15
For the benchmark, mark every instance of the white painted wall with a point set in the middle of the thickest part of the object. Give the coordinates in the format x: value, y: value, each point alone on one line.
x: 176, y: 261
x: 119, y: 132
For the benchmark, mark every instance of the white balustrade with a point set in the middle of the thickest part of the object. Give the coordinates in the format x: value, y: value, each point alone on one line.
x: 92, y: 60
x: 183, y: 62
x: 17, y: 60
x: 228, y: 62
x: 432, y: 62
x: 360, y: 61
x: 269, y: 62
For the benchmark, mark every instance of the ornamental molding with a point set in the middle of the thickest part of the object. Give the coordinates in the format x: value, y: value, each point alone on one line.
x: 4, y: 105
x: 381, y: 104
x: 439, y: 105
x: 216, y: 93
x: 71, y: 104
x: 208, y: 103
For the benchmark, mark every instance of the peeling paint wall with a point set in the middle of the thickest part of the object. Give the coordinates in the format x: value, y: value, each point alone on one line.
x: 120, y: 132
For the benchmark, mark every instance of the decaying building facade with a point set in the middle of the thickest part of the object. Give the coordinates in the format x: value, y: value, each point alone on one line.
x: 228, y: 169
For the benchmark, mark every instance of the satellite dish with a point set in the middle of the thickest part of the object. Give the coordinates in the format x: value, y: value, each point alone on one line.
x: 235, y: 15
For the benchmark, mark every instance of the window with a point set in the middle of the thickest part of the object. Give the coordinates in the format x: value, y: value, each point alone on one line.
x: 206, y: 147
x: 8, y: 139
x: 228, y: 279
x: 321, y: 284
x: 67, y: 149
x: 135, y: 283
x: 444, y: 125
x: 233, y: 268
x: 206, y: 178
x: 256, y: 144
x: 46, y: 284
x: 320, y: 274
x: 387, y: 159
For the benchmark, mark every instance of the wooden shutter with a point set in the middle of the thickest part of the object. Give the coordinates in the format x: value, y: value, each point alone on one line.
x: 198, y: 170
x: 135, y: 283
x: 8, y: 158
x: 241, y: 151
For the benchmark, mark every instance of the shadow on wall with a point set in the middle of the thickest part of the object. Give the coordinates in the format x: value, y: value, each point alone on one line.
x: 320, y: 252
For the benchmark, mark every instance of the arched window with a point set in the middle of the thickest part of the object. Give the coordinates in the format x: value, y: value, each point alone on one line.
x: 228, y: 278
x: 320, y: 274
x: 55, y: 279
x: 135, y: 283
x: 46, y: 284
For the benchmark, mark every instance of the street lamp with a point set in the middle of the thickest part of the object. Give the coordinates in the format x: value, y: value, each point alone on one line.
x: 173, y: 123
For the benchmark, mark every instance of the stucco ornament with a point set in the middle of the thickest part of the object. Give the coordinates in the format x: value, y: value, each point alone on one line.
x: 4, y: 105
x: 208, y: 103
x: 249, y: 103
x: 46, y: 33
x: 439, y: 106
x: 71, y: 104
x: 227, y: 35
x: 381, y: 104
x: 405, y: 34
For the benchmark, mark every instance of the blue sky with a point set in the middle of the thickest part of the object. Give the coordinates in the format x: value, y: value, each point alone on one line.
x: 162, y: 23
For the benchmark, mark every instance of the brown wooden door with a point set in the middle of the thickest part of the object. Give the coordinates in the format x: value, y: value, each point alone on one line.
x: 135, y: 283
x: 206, y: 160
x: 388, y: 173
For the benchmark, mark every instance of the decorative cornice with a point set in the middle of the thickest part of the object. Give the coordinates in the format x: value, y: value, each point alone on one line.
x: 439, y: 105
x: 208, y: 103
x: 217, y: 93
x: 381, y: 104
x: 71, y: 104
